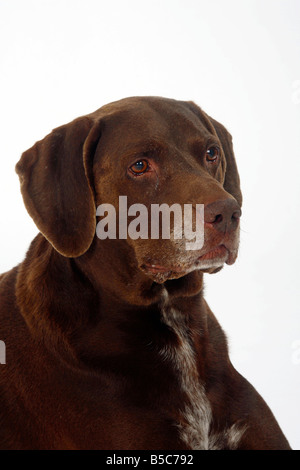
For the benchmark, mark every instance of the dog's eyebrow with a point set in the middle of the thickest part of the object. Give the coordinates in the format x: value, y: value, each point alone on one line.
x: 198, y: 145
x: 144, y: 147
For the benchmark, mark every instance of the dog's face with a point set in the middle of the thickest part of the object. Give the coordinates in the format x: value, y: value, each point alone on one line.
x: 153, y: 151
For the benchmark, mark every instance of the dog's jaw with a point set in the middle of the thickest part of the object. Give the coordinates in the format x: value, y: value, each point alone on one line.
x: 212, y: 261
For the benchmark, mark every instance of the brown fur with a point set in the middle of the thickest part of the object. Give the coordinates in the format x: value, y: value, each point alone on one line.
x: 84, y: 320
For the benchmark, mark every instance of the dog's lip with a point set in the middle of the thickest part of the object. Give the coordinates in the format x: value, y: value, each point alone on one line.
x: 156, y: 268
x: 220, y: 252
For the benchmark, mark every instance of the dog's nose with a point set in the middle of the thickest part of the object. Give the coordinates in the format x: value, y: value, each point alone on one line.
x: 223, y: 215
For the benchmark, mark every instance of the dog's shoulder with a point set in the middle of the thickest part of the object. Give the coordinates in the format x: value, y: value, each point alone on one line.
x: 7, y: 287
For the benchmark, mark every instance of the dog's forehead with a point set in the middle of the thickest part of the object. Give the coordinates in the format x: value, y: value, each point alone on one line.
x: 148, y: 116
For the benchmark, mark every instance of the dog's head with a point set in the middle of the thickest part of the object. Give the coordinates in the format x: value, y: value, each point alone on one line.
x: 151, y: 151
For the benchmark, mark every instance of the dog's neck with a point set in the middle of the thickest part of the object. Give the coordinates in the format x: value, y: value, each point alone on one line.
x: 111, y: 267
x: 135, y: 312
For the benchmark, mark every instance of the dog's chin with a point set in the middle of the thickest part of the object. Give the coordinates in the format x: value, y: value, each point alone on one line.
x: 207, y: 264
x: 161, y: 277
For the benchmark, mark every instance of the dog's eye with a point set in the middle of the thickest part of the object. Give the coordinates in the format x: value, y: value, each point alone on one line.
x: 140, y: 167
x: 212, y: 154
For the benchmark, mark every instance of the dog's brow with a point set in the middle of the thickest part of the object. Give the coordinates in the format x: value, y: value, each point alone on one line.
x: 198, y: 145
x: 145, y: 147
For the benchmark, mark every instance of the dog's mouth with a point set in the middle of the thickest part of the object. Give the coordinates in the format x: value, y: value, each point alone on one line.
x: 212, y: 259
x: 216, y: 254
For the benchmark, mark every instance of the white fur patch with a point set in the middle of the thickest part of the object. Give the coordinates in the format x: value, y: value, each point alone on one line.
x: 230, y: 437
x: 196, y: 412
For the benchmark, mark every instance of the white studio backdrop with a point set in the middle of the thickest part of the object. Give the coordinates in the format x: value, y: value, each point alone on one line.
x: 240, y: 61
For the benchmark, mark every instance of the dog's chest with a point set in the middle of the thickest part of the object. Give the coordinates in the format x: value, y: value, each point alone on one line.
x: 196, y: 413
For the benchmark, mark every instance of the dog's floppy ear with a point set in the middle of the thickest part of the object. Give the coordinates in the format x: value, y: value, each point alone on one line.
x: 232, y: 179
x: 56, y: 189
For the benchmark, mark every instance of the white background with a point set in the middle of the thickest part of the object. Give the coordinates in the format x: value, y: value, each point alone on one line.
x: 240, y: 61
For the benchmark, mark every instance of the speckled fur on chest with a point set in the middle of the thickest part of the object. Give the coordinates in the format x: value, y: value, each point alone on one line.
x: 196, y: 413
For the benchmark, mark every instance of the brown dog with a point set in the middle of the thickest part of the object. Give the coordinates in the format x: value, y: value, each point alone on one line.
x: 110, y: 343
